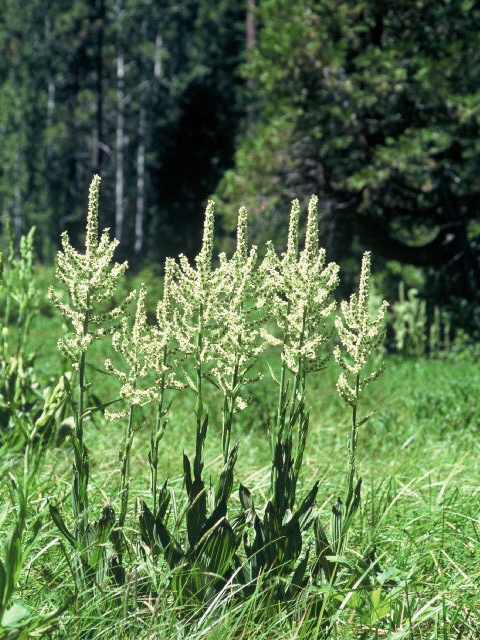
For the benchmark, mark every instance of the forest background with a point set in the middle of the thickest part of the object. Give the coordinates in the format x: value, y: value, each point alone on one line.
x: 372, y: 105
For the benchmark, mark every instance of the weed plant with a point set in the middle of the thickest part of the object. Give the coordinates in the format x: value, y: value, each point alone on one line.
x: 194, y: 552
x: 23, y: 393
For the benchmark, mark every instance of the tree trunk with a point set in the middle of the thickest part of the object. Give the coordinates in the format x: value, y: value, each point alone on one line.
x: 157, y: 68
x: 50, y: 108
x: 142, y: 132
x: 98, y: 131
x: 140, y: 210
x: 250, y: 43
x: 251, y: 30
x: 119, y: 204
x: 50, y: 79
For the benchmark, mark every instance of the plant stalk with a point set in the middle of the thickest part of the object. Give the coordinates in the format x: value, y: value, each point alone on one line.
x: 125, y: 481
x: 352, y: 446
x: 228, y: 410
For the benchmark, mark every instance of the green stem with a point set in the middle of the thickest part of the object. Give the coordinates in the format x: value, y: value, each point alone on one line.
x: 199, y: 407
x: 299, y: 379
x: 125, y: 482
x: 298, y: 404
x: 81, y: 380
x: 280, y: 423
x: 80, y: 486
x: 24, y: 318
x: 279, y: 427
x: 154, y: 458
x: 157, y: 435
x: 352, y: 445
x: 228, y: 410
x: 8, y: 303
x: 20, y: 329
x: 281, y: 398
x: 81, y: 387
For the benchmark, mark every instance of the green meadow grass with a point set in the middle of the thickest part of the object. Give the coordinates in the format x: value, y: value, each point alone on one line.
x: 401, y: 562
x: 419, y: 457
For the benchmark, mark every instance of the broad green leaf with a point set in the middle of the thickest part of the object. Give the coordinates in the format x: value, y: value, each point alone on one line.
x: 246, y: 499
x: 337, y: 525
x: 225, y: 482
x: 272, y: 373
x: 58, y: 520
x: 216, y: 550
x: 147, y: 523
x: 305, y: 508
x: 381, y: 607
x: 15, y: 615
x: 3, y: 586
x: 298, y: 578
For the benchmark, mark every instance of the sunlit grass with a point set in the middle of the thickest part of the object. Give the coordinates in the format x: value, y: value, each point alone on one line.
x: 410, y: 564
x: 419, y: 457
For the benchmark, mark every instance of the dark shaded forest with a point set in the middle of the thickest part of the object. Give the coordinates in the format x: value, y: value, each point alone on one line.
x: 147, y: 94
x: 374, y: 106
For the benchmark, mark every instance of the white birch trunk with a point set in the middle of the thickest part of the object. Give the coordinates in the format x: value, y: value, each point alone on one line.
x: 157, y: 68
x: 119, y: 186
x: 50, y: 109
x: 50, y: 82
x: 140, y: 210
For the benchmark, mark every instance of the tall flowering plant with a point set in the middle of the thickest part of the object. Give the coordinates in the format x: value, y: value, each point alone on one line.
x: 303, y: 285
x: 201, y: 330
x: 151, y: 363
x: 244, y: 307
x: 300, y: 285
x: 90, y: 279
x: 361, y: 335
x: 193, y: 300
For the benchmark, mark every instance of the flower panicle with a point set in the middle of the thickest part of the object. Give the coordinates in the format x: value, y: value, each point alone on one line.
x: 148, y: 353
x: 364, y: 285
x: 234, y: 338
x: 91, y: 279
x: 311, y: 236
x: 91, y: 241
x: 361, y: 335
x: 302, y: 288
x: 204, y: 258
x: 292, y: 241
x: 241, y: 252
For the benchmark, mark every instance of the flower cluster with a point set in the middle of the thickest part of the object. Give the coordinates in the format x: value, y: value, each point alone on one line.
x: 303, y: 285
x: 145, y: 349
x: 241, y: 313
x: 361, y: 335
x: 193, y: 296
x: 90, y: 279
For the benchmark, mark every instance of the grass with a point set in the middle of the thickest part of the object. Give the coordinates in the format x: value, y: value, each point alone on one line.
x: 419, y: 457
x: 409, y: 568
